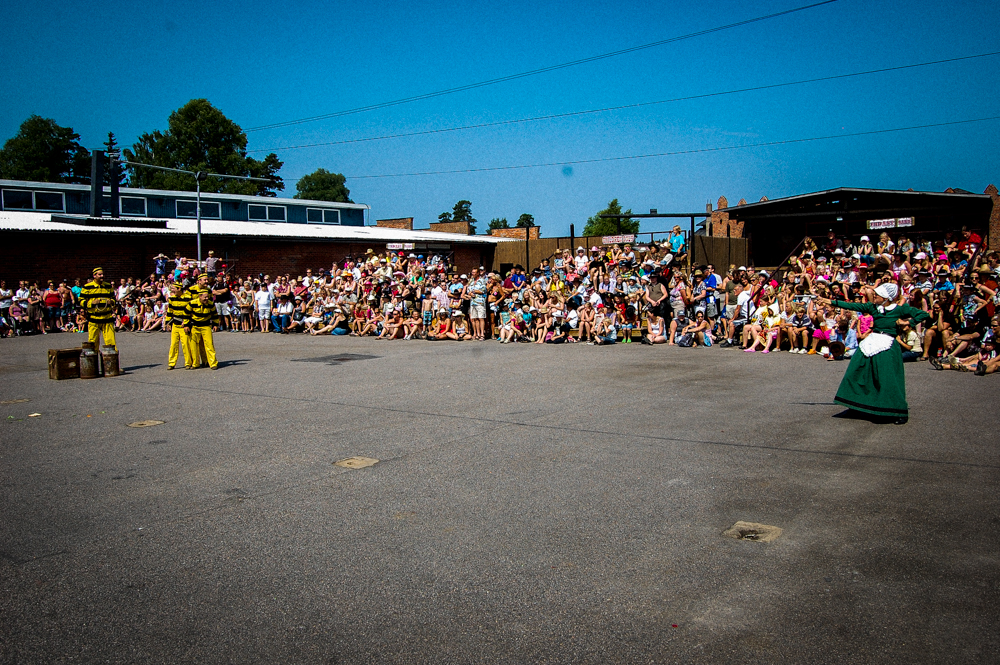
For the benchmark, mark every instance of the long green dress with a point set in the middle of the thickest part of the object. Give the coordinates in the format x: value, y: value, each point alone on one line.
x: 877, y: 384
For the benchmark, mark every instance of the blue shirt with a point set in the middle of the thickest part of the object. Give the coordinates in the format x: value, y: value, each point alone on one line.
x: 676, y: 243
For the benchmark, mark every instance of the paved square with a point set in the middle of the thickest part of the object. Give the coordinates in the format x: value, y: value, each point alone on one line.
x: 529, y: 504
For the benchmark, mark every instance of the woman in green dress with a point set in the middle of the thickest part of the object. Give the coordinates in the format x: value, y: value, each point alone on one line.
x: 874, y: 382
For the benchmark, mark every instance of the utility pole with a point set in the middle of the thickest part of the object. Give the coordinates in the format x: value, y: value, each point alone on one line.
x: 199, y: 177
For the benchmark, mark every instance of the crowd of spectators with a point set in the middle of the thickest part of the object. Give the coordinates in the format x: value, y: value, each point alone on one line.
x: 600, y: 295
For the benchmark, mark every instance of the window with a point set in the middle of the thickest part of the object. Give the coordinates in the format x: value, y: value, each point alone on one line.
x: 24, y: 199
x: 17, y: 199
x: 208, y: 210
x: 133, y: 206
x: 263, y: 213
x: 321, y: 216
x: 49, y: 201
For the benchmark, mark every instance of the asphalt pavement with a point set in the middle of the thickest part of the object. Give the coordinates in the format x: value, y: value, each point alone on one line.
x: 530, y: 504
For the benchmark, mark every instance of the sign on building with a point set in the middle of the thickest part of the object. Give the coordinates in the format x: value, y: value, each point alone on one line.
x: 399, y: 245
x: 895, y: 222
x: 619, y: 240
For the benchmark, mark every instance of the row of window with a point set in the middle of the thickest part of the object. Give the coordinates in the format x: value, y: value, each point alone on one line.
x: 134, y: 206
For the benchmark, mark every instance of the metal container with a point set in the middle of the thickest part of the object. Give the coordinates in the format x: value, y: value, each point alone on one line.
x: 64, y: 364
x: 90, y: 364
x: 110, y: 357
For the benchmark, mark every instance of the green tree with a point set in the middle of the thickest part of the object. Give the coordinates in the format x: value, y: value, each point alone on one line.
x: 201, y: 138
x: 321, y: 185
x: 43, y: 151
x: 462, y: 212
x: 598, y: 226
x: 499, y: 223
x: 113, y: 152
x: 525, y: 221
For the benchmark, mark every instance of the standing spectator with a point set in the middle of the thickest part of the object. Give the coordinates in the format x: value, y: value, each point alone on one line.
x: 262, y: 305
x: 677, y: 245
x: 211, y: 265
x: 160, y: 265
x: 475, y: 294
x: 221, y: 295
x: 6, y: 300
x: 52, y: 302
x: 244, y: 301
x: 36, y: 309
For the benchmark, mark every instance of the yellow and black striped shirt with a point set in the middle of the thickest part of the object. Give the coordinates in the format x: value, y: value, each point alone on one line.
x: 98, y: 301
x: 177, y: 308
x: 201, y: 313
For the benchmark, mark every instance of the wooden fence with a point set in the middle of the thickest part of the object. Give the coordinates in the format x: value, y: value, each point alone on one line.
x: 529, y: 253
x: 720, y: 252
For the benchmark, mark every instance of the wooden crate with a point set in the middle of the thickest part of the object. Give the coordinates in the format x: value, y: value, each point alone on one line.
x: 64, y: 364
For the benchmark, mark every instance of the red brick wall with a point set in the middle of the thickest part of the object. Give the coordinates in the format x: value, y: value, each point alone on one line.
x: 515, y: 232
x: 401, y: 223
x: 462, y: 228
x: 57, y: 256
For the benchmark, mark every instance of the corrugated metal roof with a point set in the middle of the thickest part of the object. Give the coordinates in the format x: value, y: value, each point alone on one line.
x: 11, y: 220
x: 155, y: 193
x: 841, y: 190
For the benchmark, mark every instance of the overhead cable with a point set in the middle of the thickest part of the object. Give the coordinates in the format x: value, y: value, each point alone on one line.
x: 570, y: 114
x: 533, y: 72
x: 678, y: 152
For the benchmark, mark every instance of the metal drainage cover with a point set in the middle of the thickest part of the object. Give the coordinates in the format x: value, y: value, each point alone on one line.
x: 146, y: 423
x: 356, y: 462
x: 759, y: 533
x: 338, y: 359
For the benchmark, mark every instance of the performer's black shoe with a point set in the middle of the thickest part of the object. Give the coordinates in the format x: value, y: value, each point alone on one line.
x: 902, y: 420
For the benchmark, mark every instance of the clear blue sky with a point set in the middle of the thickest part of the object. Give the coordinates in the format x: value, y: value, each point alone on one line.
x: 124, y: 67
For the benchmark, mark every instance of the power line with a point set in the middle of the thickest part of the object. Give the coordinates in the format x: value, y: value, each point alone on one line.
x: 533, y: 72
x: 628, y: 106
x: 679, y: 152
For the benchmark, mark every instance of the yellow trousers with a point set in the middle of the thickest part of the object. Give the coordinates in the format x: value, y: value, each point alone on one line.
x: 106, y: 330
x: 202, y: 336
x: 180, y: 342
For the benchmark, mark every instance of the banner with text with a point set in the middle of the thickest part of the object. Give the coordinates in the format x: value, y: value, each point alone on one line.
x: 895, y: 222
x: 617, y: 240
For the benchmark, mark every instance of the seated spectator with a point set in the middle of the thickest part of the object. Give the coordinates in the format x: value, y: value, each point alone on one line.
x: 699, y: 331
x: 606, y: 330
x: 282, y: 315
x: 338, y: 324
x: 799, y: 328
x: 656, y: 330
x: 843, y: 341
x: 908, y: 340
x: 460, y: 327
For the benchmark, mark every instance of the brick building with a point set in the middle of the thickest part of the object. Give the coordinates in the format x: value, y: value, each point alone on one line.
x: 41, y: 246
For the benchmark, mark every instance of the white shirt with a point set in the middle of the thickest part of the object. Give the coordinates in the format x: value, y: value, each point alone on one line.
x: 263, y: 299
